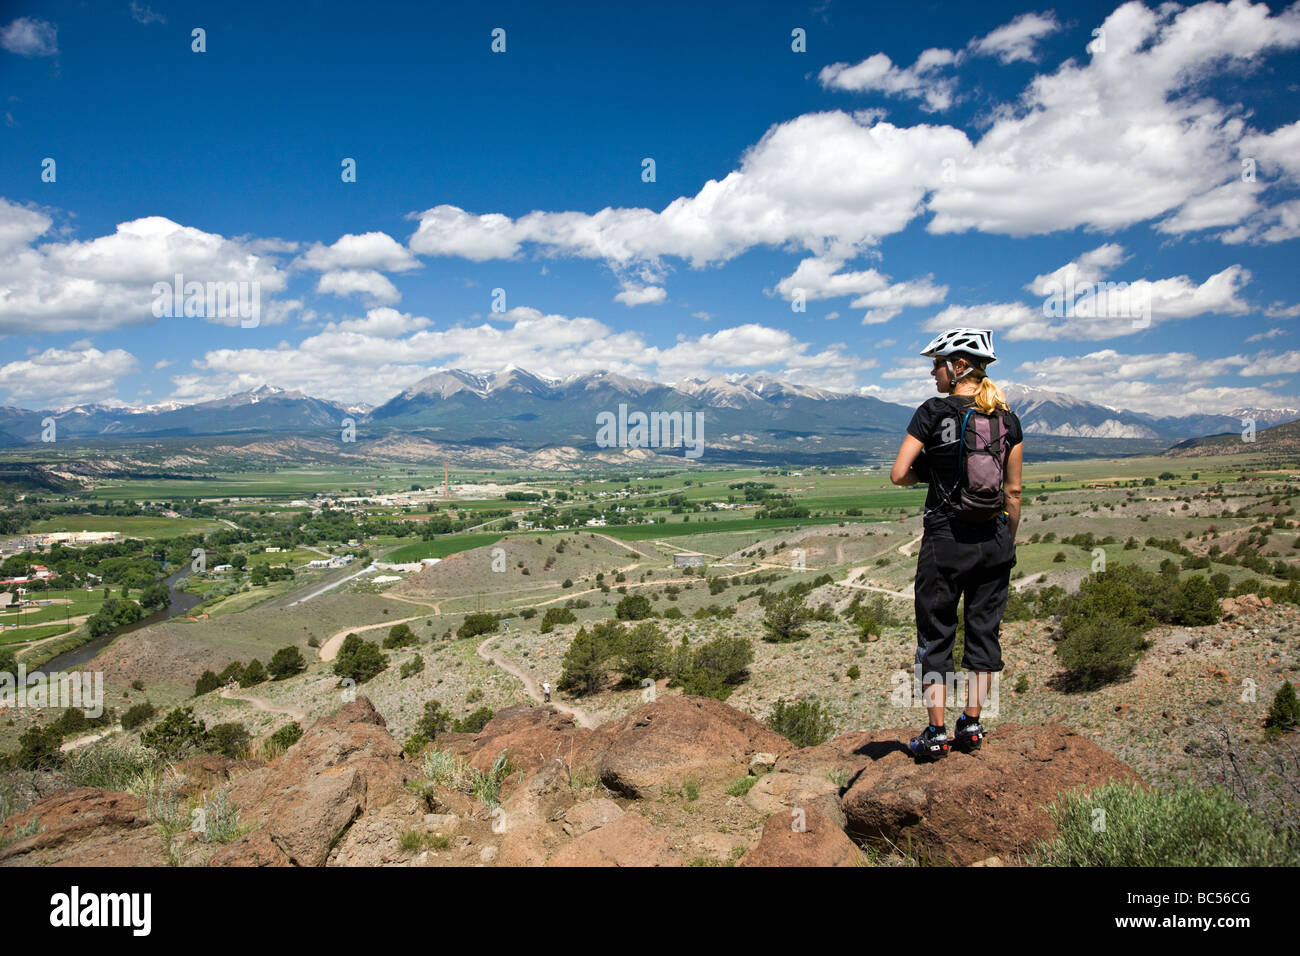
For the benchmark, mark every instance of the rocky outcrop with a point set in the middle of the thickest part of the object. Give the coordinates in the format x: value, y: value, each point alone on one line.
x: 657, y: 745
x: 1233, y: 607
x: 252, y: 849
x: 802, y: 838
x: 525, y: 818
x: 630, y: 840
x: 83, y: 826
x: 813, y: 777
x: 590, y: 815
x: 968, y: 807
x: 340, y: 796
x: 664, y: 743
x: 344, y: 765
x: 533, y: 736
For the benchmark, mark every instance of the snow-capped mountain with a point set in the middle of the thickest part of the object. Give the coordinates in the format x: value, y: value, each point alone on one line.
x: 521, y: 407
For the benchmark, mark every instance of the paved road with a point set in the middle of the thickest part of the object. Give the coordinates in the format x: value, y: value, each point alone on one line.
x: 331, y: 586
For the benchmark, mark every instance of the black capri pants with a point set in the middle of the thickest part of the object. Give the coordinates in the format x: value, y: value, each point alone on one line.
x: 961, y: 559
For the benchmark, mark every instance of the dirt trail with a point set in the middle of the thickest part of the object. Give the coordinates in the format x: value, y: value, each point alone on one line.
x: 907, y: 548
x: 869, y: 587
x: 850, y: 582
x: 621, y: 544
x: 83, y: 741
x: 262, y: 704
x: 1031, y: 579
x: 579, y: 715
x: 330, y: 649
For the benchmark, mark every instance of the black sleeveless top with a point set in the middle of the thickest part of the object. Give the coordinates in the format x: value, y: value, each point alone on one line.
x: 937, y: 426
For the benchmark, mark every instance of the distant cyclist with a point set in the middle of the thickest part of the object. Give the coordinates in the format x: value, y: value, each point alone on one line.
x: 969, y: 446
x: 546, y: 691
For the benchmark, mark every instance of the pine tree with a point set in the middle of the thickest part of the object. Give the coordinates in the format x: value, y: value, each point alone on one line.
x: 583, y: 664
x: 1284, y: 715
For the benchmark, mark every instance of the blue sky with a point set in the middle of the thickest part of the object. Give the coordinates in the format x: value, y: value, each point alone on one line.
x: 924, y: 166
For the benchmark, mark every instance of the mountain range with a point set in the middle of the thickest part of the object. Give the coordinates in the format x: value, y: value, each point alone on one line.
x: 756, y: 418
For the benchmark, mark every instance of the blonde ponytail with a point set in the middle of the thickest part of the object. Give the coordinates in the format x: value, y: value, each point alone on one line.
x: 989, y: 398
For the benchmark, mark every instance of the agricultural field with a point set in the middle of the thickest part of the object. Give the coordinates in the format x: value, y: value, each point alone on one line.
x: 130, y: 526
x: 858, y: 541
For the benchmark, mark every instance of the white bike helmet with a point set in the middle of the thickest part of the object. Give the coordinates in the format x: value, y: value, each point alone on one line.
x: 975, y: 342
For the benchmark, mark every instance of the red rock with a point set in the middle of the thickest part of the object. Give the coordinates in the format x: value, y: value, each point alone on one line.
x: 819, y: 842
x: 84, y: 826
x: 664, y: 743
x: 971, y: 806
x: 629, y: 840
x: 251, y: 849
x: 534, y: 736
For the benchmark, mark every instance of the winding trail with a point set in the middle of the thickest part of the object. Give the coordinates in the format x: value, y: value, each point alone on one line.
x: 83, y: 741
x: 22, y: 647
x: 871, y: 587
x: 262, y: 704
x: 904, y: 548
x: 580, y: 716
x: 907, y: 548
x: 1031, y: 579
x: 330, y: 649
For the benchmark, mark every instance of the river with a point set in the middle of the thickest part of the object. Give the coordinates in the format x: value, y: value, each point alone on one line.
x: 180, y: 602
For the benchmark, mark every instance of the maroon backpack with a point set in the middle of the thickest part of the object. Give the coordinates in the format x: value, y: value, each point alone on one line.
x: 981, y: 466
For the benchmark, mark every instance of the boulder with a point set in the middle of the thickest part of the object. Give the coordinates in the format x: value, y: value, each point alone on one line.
x: 375, y: 837
x: 844, y: 755
x: 761, y: 763
x: 523, y: 818
x: 779, y: 793
x: 808, y: 839
x: 309, y: 818
x: 534, y: 736
x: 663, y: 743
x: 251, y: 849
x: 344, y: 765
x: 83, y: 826
x: 812, y: 777
x: 590, y: 815
x: 629, y: 840
x: 969, y: 807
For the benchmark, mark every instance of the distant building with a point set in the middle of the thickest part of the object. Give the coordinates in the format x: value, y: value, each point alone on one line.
x: 220, y: 568
x: 79, y: 537
x: 407, y: 566
x: 689, y: 560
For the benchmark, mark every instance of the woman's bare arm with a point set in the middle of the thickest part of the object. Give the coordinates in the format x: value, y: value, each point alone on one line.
x: 901, y: 473
x: 1011, y: 485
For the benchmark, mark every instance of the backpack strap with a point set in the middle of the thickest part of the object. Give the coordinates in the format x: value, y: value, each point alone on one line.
x: 946, y: 495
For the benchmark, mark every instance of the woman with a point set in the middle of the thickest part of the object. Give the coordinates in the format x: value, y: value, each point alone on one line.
x: 962, y: 552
